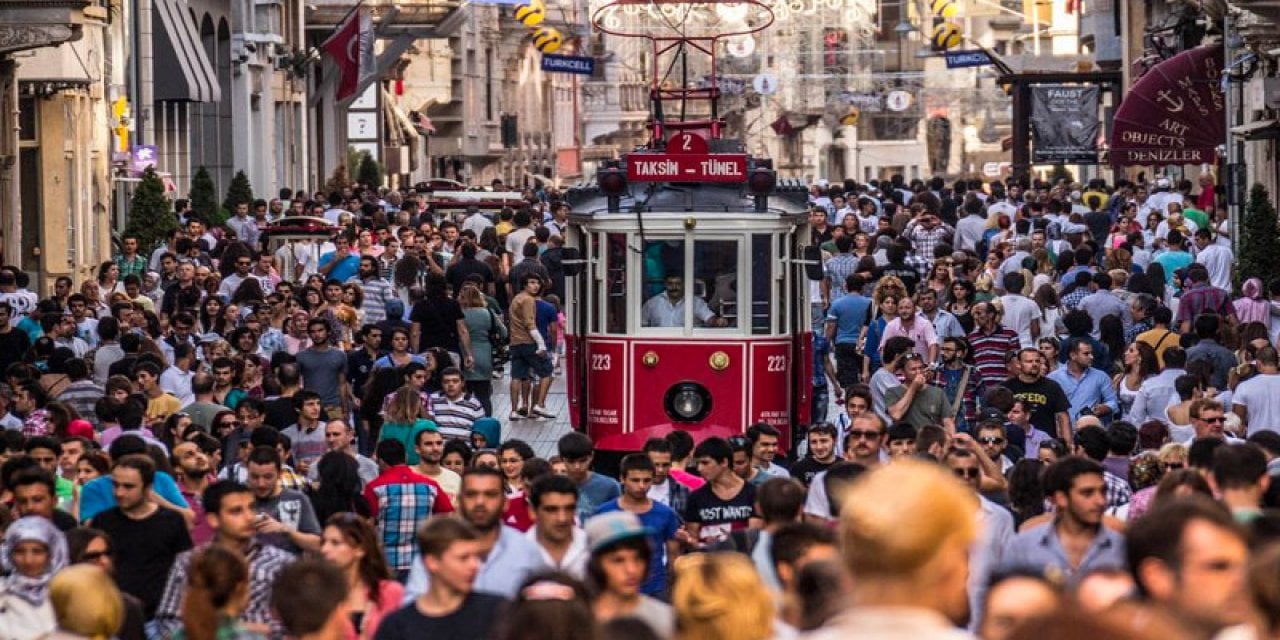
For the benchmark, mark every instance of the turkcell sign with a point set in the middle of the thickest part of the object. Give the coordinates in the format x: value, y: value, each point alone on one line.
x: 581, y: 65
x: 962, y: 59
x: 687, y: 167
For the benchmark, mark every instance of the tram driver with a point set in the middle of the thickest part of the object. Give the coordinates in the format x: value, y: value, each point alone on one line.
x: 667, y: 308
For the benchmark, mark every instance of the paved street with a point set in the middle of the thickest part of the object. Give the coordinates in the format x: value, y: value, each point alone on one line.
x: 540, y: 434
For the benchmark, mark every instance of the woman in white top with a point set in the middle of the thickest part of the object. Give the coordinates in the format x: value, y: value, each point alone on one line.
x: 1139, y: 363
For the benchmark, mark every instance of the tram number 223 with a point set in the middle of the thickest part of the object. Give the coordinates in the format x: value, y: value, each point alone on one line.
x: 601, y: 361
x: 776, y: 364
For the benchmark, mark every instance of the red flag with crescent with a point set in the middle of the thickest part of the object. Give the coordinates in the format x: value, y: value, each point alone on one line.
x: 351, y: 47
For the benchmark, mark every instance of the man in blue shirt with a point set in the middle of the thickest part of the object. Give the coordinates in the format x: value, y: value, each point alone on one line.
x: 594, y: 490
x: 661, y: 522
x: 340, y: 264
x: 98, y: 495
x: 846, y: 327
x: 1086, y: 388
x: 1075, y: 543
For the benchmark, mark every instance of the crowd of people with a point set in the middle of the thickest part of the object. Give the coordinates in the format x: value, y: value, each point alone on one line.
x: 1039, y: 409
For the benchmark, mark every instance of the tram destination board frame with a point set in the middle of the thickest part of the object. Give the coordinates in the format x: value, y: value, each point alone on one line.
x: 686, y: 167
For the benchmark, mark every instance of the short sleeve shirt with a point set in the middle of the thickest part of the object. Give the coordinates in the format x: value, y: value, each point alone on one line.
x: 718, y: 518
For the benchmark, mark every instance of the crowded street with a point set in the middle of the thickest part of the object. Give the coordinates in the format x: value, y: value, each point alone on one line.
x: 639, y: 320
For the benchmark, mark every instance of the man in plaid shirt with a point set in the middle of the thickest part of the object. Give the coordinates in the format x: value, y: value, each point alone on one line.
x: 1093, y: 442
x: 229, y: 507
x: 400, y: 499
x: 925, y: 233
x: 130, y: 263
x: 949, y: 376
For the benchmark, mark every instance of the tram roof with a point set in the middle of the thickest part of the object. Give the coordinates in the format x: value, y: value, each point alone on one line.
x: 789, y: 198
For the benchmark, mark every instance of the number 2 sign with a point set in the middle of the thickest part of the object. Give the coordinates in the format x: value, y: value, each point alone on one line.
x: 685, y: 142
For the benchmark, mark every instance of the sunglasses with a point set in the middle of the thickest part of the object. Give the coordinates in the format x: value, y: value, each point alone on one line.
x: 966, y: 473
x: 1214, y: 420
x: 94, y: 556
x: 865, y: 435
x: 1172, y: 466
x: 991, y: 440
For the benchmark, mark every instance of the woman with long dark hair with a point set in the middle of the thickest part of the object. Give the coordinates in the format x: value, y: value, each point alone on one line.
x: 960, y: 301
x: 217, y: 593
x: 339, y: 486
x: 351, y: 544
x: 1139, y: 362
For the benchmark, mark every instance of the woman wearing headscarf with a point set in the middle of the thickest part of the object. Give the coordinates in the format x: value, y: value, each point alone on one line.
x: 1253, y: 306
x: 31, y: 552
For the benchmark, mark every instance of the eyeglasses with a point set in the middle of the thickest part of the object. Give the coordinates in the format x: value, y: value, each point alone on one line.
x: 865, y: 435
x: 991, y: 440
x: 966, y: 473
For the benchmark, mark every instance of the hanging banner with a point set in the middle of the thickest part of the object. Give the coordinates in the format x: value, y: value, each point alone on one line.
x: 1064, y: 123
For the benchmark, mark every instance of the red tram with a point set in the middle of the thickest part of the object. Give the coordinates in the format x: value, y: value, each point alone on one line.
x: 690, y: 311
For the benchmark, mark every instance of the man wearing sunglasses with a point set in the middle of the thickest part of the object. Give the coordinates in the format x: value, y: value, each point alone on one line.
x: 991, y: 437
x: 995, y: 522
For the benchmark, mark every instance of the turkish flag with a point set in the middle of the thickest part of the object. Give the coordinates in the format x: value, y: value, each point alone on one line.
x: 351, y: 47
x: 782, y: 126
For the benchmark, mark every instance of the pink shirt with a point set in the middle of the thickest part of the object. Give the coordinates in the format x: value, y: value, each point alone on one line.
x: 390, y: 593
x: 687, y: 479
x: 921, y: 332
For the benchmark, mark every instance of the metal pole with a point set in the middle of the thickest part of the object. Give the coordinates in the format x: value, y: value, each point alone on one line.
x: 1234, y: 169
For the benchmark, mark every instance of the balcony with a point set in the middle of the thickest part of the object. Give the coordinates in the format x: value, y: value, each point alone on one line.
x: 31, y: 24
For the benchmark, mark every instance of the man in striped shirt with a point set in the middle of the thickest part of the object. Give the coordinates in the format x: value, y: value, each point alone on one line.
x: 990, y: 342
x: 377, y: 291
x: 455, y: 410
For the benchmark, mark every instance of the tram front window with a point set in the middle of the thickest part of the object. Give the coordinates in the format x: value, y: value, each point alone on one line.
x: 667, y: 308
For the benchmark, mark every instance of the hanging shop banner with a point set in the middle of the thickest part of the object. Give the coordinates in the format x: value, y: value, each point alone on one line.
x: 1174, y: 114
x: 1064, y: 123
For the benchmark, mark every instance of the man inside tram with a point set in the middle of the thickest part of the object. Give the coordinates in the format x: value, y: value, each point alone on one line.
x: 667, y: 308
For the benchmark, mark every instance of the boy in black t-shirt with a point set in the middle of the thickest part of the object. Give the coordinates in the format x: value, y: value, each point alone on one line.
x: 726, y: 503
x: 821, y: 439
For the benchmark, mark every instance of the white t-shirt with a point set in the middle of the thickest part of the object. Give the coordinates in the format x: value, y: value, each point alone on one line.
x: 1217, y: 259
x: 1019, y: 311
x: 1261, y: 396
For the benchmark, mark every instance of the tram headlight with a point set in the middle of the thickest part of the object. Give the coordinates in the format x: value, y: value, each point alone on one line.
x: 687, y: 402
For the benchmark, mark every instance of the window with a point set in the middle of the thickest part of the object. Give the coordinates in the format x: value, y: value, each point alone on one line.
x: 662, y: 286
x: 615, y: 283
x: 761, y: 282
x: 715, y: 284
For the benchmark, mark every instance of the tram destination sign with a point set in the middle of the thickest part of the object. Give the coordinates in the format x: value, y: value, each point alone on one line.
x: 687, y: 167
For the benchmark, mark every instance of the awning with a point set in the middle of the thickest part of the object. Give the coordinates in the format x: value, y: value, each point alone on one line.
x: 1174, y: 114
x: 182, y: 69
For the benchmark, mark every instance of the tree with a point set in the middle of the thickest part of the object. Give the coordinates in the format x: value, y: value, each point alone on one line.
x: 151, y: 216
x: 239, y: 192
x: 338, y: 180
x: 203, y: 195
x: 370, y: 172
x: 1257, y: 241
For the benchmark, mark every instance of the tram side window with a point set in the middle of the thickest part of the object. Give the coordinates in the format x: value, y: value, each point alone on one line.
x: 761, y: 282
x: 616, y: 283
x: 663, y: 287
x: 715, y: 274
